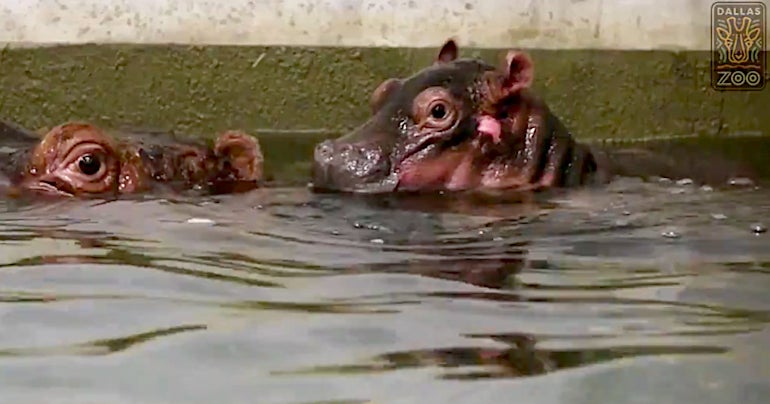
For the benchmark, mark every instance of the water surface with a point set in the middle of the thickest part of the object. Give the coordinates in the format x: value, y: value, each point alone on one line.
x: 638, y: 292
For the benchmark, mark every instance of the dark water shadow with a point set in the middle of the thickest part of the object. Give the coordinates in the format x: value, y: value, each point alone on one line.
x: 520, y: 359
x: 117, y: 255
x: 101, y: 347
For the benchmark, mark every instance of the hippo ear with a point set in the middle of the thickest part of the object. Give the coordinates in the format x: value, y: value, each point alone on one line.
x: 519, y: 71
x: 447, y: 53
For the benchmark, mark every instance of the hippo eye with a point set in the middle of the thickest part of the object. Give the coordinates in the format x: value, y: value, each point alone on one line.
x: 89, y: 164
x: 440, y: 114
x: 435, y: 109
x: 438, y: 111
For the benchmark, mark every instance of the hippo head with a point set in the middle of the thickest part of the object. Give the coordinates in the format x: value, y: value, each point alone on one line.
x: 80, y: 159
x: 73, y: 158
x: 439, y: 129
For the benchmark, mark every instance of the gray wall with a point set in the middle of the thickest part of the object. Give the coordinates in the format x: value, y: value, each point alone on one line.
x: 545, y: 24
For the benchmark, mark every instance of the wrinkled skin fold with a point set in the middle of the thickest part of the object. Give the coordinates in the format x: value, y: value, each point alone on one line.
x: 458, y: 125
x: 80, y: 159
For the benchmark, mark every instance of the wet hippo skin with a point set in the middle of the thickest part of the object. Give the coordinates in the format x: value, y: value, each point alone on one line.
x: 80, y: 159
x: 460, y: 124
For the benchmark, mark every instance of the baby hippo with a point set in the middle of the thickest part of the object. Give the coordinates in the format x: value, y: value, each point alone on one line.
x: 458, y: 125
x: 79, y: 159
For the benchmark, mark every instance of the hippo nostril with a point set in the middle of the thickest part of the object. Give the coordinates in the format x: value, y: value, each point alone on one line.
x: 324, y: 151
x: 350, y: 153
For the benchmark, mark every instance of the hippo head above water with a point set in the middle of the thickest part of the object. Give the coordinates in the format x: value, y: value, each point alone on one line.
x: 460, y: 124
x: 79, y: 159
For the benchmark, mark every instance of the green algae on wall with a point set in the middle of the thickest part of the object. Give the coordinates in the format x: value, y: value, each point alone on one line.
x: 203, y: 89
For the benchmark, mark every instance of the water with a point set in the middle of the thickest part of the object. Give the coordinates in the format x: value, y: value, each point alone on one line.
x: 636, y: 293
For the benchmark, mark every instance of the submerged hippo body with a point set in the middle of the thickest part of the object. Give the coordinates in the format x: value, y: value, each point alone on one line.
x: 460, y: 124
x: 79, y: 159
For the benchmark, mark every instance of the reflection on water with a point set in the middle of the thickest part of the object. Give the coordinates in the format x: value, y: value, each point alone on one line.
x: 284, y: 296
x: 102, y: 347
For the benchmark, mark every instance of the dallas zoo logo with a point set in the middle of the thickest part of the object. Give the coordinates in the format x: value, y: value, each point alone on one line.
x: 738, y: 59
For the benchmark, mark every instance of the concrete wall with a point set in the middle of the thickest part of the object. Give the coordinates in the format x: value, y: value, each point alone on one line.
x: 544, y: 24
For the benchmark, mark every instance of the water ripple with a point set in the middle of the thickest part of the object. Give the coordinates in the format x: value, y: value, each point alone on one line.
x: 101, y: 347
x: 273, y: 292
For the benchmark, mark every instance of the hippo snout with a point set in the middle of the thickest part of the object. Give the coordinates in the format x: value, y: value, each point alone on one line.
x: 345, y: 166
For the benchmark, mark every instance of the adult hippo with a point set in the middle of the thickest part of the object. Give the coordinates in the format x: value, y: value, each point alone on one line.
x: 80, y: 159
x: 460, y: 124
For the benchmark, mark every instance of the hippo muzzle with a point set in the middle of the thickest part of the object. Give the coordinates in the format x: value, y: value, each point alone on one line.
x: 340, y: 165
